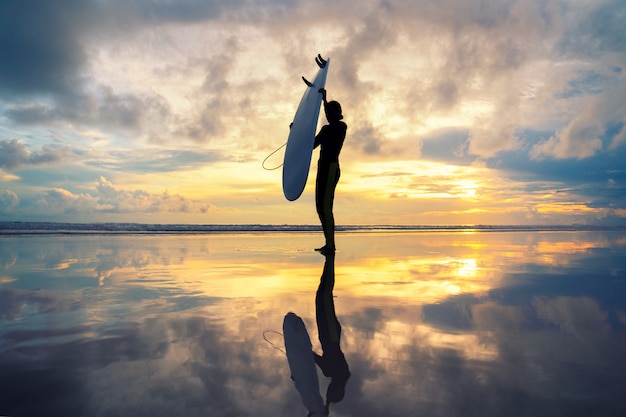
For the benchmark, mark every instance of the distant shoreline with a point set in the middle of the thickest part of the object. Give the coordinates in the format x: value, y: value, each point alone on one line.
x: 45, y: 228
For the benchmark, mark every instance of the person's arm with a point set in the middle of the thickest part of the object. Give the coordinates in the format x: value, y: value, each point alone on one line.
x: 317, y: 142
x: 321, y: 362
x: 319, y: 137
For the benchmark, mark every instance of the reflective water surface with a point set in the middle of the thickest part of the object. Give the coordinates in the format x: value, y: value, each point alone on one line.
x: 432, y: 324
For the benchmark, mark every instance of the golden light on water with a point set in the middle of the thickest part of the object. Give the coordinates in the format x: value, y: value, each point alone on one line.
x: 418, y: 270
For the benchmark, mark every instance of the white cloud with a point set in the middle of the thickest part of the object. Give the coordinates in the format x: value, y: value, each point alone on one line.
x: 107, y: 199
x: 8, y: 201
x: 619, y: 139
x: 111, y: 199
x: 583, y: 135
x: 576, y: 140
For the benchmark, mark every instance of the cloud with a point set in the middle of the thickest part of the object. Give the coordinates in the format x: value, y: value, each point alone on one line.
x: 584, y: 135
x: 48, y: 48
x: 492, y: 137
x: 40, y: 43
x: 58, y: 200
x: 8, y: 201
x: 368, y: 139
x: 47, y: 77
x: 129, y: 15
x: 14, y: 153
x: 99, y: 107
x: 214, y: 98
x: 112, y: 200
x: 619, y: 139
x: 592, y: 29
x: 103, y: 200
x: 579, y: 139
x: 149, y: 161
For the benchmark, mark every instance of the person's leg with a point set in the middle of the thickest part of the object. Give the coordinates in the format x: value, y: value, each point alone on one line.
x: 320, y: 194
x: 325, y: 212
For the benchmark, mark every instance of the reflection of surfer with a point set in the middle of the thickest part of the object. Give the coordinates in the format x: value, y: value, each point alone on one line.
x: 332, y: 362
x: 330, y: 139
x: 302, y: 358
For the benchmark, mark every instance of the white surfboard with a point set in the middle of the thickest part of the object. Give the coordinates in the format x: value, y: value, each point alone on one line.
x: 299, y: 149
x: 302, y: 365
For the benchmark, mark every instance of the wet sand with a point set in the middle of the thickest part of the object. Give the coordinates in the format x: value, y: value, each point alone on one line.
x: 438, y: 324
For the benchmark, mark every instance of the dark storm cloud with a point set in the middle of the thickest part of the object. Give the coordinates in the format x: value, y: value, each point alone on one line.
x: 102, y: 106
x: 14, y: 154
x: 40, y: 46
x: 42, y: 42
x: 43, y: 50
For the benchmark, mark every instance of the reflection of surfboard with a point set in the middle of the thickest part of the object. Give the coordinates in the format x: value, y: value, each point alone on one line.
x: 302, y: 364
x: 302, y: 135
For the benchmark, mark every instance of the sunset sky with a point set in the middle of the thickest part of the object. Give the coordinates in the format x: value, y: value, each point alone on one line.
x: 458, y: 111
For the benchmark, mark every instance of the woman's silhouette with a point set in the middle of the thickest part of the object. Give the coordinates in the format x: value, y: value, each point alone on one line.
x: 330, y: 139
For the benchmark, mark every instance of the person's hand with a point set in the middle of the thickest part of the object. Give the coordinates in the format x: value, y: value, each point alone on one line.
x: 323, y: 91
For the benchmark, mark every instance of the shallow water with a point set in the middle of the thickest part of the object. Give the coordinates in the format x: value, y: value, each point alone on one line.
x: 433, y: 324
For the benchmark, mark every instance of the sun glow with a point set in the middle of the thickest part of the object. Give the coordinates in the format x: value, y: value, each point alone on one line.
x: 415, y: 179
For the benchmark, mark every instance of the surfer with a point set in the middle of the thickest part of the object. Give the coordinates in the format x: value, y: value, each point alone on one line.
x: 330, y: 140
x: 332, y: 362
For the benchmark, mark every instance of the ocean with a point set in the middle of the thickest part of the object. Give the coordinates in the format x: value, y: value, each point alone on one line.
x: 7, y: 228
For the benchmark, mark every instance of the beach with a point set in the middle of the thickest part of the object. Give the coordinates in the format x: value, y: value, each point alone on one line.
x: 434, y: 323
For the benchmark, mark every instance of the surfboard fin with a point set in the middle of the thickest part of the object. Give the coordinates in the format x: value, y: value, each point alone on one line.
x: 307, y: 82
x: 321, y: 62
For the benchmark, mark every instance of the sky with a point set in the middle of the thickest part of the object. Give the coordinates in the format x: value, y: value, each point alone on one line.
x: 458, y: 111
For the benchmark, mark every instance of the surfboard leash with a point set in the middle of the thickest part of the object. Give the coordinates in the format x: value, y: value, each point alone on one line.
x: 271, y: 344
x: 268, y: 157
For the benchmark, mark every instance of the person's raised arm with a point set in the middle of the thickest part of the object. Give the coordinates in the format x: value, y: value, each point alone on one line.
x: 322, y: 91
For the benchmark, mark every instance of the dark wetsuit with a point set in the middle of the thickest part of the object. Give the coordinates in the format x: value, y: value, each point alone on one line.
x: 330, y: 138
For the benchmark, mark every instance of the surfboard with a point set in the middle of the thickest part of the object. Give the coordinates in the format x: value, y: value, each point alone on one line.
x: 301, y: 363
x: 299, y: 150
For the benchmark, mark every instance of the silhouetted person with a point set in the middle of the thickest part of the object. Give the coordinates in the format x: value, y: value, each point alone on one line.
x: 330, y: 139
x: 332, y: 362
